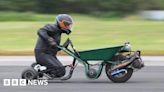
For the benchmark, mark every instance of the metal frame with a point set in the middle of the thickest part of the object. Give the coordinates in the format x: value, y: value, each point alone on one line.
x: 85, y: 63
x: 105, y: 60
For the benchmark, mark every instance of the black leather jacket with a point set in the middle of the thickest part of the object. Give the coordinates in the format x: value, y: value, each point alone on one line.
x: 44, y: 33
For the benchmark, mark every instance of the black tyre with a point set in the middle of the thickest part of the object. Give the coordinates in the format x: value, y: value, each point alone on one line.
x: 119, y: 79
x: 122, y: 78
x: 29, y: 74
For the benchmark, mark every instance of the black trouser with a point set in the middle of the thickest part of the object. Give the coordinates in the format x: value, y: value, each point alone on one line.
x: 51, y: 62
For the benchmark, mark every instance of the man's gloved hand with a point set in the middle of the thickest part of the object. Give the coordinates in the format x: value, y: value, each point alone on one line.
x: 67, y: 31
x: 52, y: 42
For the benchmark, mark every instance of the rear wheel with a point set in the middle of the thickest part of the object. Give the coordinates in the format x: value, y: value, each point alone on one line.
x: 122, y: 76
x: 29, y: 74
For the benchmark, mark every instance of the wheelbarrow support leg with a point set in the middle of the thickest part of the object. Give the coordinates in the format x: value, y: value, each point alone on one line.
x: 71, y: 71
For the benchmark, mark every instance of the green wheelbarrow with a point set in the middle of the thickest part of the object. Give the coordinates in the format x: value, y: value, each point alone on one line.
x: 119, y: 62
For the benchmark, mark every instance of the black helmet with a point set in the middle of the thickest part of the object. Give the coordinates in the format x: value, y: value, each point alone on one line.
x: 65, y: 22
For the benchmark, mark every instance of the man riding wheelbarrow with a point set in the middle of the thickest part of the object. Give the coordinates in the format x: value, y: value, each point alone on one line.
x: 119, y: 61
x: 46, y: 48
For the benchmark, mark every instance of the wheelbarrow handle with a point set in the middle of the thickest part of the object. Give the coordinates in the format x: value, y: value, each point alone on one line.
x: 74, y: 49
x: 65, y: 45
x: 67, y: 42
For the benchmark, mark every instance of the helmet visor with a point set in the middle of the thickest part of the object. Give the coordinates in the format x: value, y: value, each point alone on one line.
x: 69, y: 27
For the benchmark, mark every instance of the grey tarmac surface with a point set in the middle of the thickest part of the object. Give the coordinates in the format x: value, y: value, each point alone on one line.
x: 148, y: 79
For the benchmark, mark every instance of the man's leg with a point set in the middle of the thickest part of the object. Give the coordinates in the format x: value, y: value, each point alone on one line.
x: 52, y: 63
x: 57, y: 68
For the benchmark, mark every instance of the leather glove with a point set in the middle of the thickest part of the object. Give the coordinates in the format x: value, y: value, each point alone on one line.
x: 67, y: 31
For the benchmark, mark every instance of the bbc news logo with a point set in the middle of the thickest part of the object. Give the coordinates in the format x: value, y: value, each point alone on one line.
x: 23, y: 82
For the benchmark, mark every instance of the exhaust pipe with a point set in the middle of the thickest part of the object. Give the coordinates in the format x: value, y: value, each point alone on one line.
x: 121, y: 65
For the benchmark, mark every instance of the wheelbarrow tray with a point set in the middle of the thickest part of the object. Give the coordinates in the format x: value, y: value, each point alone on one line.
x: 104, y: 54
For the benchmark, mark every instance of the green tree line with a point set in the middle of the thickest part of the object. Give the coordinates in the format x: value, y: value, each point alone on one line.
x: 80, y: 6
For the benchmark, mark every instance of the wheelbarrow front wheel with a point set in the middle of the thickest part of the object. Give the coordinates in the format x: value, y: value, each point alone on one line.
x: 119, y: 76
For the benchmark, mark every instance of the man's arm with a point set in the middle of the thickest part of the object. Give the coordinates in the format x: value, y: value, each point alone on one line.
x: 43, y: 33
